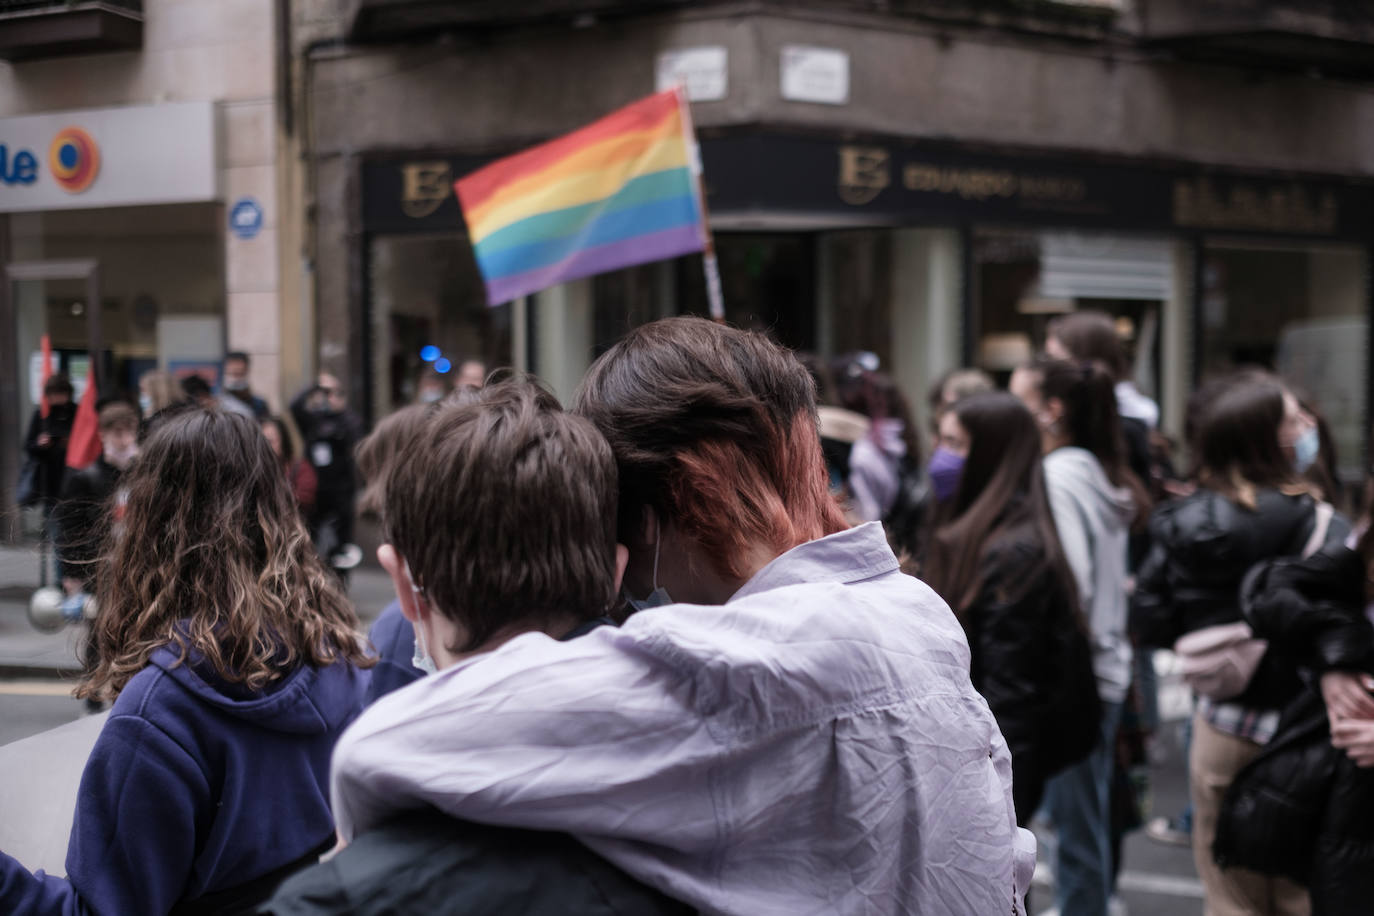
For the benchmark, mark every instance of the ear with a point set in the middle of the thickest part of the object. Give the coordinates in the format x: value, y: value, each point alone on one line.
x: 622, y: 559
x: 648, y: 527
x: 396, y: 568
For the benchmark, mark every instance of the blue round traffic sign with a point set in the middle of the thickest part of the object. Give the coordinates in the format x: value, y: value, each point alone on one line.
x: 245, y: 219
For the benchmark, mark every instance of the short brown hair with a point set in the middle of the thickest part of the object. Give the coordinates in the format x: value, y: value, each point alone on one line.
x: 117, y: 415
x: 505, y: 512
x: 379, y: 451
x: 715, y: 429
x: 58, y: 384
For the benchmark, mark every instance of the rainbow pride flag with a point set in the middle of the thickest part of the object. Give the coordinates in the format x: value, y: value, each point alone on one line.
x: 617, y: 192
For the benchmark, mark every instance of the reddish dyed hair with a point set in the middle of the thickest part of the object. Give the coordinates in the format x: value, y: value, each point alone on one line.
x: 715, y: 429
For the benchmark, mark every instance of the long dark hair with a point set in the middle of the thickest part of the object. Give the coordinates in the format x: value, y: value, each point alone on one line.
x: 213, y: 558
x: 1091, y: 421
x: 1001, y: 494
x: 1238, y: 439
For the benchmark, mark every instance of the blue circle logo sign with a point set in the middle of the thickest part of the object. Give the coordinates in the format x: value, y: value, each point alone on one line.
x: 245, y: 219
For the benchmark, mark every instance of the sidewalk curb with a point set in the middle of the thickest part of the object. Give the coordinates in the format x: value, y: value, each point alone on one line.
x: 14, y: 672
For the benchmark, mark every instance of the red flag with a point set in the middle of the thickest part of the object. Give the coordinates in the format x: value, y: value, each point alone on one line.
x: 84, y: 446
x: 47, y: 374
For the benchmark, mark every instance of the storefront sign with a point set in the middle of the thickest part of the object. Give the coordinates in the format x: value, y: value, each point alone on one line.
x: 425, y: 186
x: 704, y: 72
x: 100, y: 157
x: 1274, y: 207
x: 815, y: 75
x: 901, y: 182
x: 21, y: 168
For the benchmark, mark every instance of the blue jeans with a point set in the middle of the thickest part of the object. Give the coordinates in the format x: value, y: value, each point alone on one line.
x: 1079, y: 802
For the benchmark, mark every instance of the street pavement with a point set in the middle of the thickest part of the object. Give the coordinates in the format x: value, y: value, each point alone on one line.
x: 38, y: 672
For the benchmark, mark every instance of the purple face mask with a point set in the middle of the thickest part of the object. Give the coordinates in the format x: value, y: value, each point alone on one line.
x: 945, y: 470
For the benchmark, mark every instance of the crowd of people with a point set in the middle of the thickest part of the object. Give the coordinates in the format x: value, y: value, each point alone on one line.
x: 713, y: 639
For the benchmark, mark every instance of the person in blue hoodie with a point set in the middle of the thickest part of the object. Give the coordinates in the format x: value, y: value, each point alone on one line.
x: 233, y: 663
x: 390, y: 442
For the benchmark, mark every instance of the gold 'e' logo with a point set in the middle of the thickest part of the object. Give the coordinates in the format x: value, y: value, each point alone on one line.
x: 864, y: 173
x: 424, y: 187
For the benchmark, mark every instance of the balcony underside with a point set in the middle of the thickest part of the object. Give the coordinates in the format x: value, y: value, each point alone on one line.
x: 30, y: 31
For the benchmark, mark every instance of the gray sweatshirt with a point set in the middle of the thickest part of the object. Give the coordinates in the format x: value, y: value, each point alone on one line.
x: 1093, y: 519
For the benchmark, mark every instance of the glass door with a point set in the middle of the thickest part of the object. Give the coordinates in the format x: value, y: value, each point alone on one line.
x: 58, y: 300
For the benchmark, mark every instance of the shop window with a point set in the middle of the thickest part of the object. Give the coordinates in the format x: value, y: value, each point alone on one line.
x: 768, y: 282
x: 625, y: 299
x: 426, y: 291
x: 1023, y: 280
x: 1299, y: 311
x: 858, y: 293
x: 161, y: 270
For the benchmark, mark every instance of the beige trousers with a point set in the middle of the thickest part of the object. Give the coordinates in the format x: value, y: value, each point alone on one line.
x: 1213, y: 763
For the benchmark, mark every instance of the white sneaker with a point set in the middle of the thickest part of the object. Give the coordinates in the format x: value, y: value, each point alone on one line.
x: 347, y: 557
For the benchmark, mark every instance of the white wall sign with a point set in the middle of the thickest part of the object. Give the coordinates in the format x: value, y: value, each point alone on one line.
x: 812, y: 74
x: 102, y: 157
x: 705, y: 72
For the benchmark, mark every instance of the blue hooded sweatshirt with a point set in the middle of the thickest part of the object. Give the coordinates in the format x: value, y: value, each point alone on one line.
x: 394, y: 639
x: 195, y: 786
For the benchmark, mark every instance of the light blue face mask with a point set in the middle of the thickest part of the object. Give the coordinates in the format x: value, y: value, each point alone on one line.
x: 422, y: 659
x: 1306, y: 449
x: 659, y: 596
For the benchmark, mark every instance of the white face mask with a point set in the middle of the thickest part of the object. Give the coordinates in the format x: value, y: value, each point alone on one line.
x: 422, y: 659
x: 145, y: 404
x: 122, y: 458
x: 659, y: 596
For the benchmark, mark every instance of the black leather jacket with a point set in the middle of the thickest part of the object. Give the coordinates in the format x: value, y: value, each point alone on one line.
x: 1201, y: 549
x: 426, y: 862
x: 1033, y: 664
x: 1301, y: 808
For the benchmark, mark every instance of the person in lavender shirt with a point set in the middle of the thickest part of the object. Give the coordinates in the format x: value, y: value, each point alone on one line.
x: 785, y: 726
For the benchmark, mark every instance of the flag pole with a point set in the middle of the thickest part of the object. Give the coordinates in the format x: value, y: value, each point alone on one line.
x: 714, y: 298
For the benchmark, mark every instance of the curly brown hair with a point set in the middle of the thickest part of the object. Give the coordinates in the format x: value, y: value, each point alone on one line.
x: 212, y: 557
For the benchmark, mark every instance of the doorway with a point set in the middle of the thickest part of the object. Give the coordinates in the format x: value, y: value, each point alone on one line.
x: 58, y: 299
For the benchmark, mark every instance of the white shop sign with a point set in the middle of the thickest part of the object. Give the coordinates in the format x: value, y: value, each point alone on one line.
x: 815, y: 75
x: 102, y: 157
x: 703, y: 71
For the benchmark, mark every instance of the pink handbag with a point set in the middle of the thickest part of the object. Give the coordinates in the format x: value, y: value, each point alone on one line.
x: 1218, y: 662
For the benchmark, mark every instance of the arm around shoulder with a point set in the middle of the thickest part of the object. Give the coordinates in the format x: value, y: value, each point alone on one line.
x: 541, y: 735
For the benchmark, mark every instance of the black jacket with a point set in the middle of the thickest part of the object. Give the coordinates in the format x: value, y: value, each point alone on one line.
x: 329, y: 437
x: 83, y: 518
x: 427, y: 862
x: 1301, y: 808
x: 1033, y: 664
x: 51, y: 458
x: 1201, y: 548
